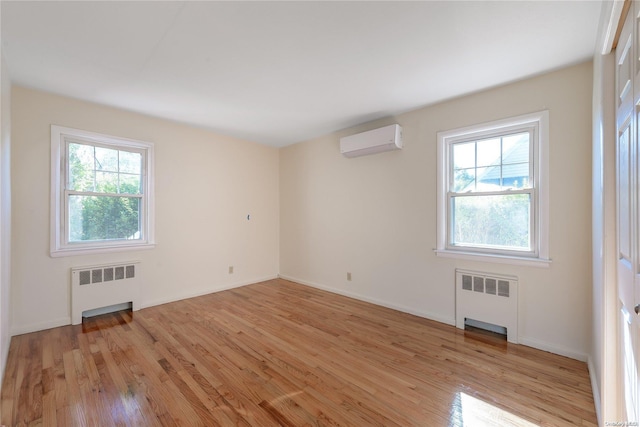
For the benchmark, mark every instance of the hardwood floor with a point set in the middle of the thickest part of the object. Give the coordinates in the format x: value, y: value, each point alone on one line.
x: 279, y: 353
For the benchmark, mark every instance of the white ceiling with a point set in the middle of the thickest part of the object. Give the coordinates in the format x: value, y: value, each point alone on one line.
x: 283, y: 72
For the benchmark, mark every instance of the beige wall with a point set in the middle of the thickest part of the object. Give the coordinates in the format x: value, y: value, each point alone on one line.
x: 206, y: 185
x: 5, y: 214
x: 375, y: 216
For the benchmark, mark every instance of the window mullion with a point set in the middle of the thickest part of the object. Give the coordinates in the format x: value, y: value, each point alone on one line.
x: 118, y: 170
x: 64, y: 224
x: 450, y: 168
x: 534, y: 220
x: 501, y: 163
x: 493, y: 193
x: 64, y: 188
x: 533, y: 137
x: 94, y: 168
x: 475, y: 166
x: 97, y: 194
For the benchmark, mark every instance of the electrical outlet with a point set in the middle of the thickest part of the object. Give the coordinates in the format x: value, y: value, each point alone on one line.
x: 348, y: 276
x: 231, y: 269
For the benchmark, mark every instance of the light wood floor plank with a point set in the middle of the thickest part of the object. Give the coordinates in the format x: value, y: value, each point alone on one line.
x: 279, y: 353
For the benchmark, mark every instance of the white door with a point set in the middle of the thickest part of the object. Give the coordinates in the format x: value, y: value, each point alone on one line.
x: 628, y: 222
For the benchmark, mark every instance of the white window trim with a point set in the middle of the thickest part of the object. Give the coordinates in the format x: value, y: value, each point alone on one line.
x: 58, y: 248
x: 541, y: 175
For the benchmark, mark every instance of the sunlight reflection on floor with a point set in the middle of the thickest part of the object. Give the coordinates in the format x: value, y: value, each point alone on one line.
x: 470, y: 411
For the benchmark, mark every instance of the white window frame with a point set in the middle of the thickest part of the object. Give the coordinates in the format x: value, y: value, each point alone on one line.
x: 539, y: 165
x: 60, y: 246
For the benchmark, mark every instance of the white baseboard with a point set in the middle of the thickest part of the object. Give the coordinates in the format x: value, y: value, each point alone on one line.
x: 63, y: 321
x: 404, y: 309
x: 552, y: 348
x: 530, y: 342
x: 5, y: 356
x: 198, y: 293
x: 595, y: 389
x: 39, y: 326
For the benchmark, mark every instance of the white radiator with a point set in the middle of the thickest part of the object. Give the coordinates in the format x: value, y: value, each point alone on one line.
x: 487, y: 298
x: 101, y: 286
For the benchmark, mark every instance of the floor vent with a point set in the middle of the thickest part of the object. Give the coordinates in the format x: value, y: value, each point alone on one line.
x: 100, y: 286
x: 487, y: 299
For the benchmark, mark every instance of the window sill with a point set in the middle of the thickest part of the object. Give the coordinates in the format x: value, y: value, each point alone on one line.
x: 501, y: 259
x: 55, y: 253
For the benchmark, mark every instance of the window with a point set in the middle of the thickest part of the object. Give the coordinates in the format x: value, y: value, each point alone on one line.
x: 101, y: 193
x: 493, y: 191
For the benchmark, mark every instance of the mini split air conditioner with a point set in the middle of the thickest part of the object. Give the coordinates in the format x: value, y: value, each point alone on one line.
x: 374, y: 141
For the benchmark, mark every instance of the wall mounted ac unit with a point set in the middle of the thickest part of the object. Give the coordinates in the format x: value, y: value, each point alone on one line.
x: 374, y: 141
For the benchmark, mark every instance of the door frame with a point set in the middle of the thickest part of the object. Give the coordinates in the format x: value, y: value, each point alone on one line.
x: 604, y: 357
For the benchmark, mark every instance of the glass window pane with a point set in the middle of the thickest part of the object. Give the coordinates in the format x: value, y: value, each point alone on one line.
x: 489, y: 179
x: 93, y: 218
x: 130, y: 162
x: 500, y: 222
x: 106, y: 159
x: 130, y: 184
x: 464, y: 155
x: 489, y: 152
x: 516, y: 176
x: 515, y: 148
x: 106, y: 182
x: 464, y: 180
x: 75, y: 219
x: 80, y: 167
